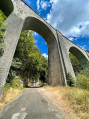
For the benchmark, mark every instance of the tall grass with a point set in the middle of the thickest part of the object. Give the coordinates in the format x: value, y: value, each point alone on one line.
x: 11, y: 91
x: 79, y: 101
x: 73, y: 99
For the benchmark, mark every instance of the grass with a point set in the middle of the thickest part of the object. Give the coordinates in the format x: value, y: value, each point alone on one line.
x: 74, y: 100
x: 11, y: 91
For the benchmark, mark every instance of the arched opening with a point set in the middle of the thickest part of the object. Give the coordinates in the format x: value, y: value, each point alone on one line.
x: 34, y: 24
x: 29, y: 64
x: 6, y: 6
x: 54, y: 67
x: 39, y: 26
x: 78, y: 60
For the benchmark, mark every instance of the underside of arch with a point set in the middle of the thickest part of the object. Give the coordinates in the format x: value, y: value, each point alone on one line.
x: 80, y: 56
x: 32, y: 23
x: 6, y: 6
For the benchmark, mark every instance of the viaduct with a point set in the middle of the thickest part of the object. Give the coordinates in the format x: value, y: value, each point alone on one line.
x: 21, y: 17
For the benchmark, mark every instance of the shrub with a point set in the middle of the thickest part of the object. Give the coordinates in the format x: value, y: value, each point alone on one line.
x: 7, y: 86
x: 82, y: 81
x: 70, y: 80
x: 11, y: 76
x: 16, y: 83
x: 85, y: 72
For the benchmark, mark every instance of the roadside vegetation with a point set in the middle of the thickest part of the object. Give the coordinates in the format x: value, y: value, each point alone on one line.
x: 11, y: 91
x: 78, y: 96
x: 74, y: 101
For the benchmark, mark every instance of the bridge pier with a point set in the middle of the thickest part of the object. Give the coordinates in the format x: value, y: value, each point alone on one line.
x: 65, y: 57
x: 13, y: 30
x: 55, y: 72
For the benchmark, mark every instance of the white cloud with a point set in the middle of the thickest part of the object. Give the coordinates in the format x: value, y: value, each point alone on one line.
x: 45, y: 55
x: 71, y: 38
x: 35, y: 34
x: 38, y: 5
x: 71, y: 17
x: 83, y: 47
x: 42, y: 4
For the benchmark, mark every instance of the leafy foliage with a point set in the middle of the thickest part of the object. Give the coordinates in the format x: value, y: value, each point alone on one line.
x: 70, y: 80
x: 82, y: 82
x: 83, y: 79
x: 43, y: 70
x: 2, y: 30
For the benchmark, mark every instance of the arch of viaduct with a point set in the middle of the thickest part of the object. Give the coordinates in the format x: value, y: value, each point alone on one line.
x: 22, y: 17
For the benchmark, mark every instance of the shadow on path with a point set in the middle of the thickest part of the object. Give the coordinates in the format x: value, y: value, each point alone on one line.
x: 35, y: 86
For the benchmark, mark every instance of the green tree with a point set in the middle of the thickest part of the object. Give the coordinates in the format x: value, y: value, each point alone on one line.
x: 33, y: 64
x: 28, y: 53
x: 43, y: 70
x: 2, y: 30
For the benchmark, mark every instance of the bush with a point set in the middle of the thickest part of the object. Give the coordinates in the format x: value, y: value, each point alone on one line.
x: 7, y: 86
x: 13, y: 81
x: 82, y: 81
x: 70, y: 80
x: 11, y: 76
x: 85, y: 72
x: 16, y: 83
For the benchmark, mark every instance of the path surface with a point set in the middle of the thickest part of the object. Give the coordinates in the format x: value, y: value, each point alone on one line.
x: 30, y: 105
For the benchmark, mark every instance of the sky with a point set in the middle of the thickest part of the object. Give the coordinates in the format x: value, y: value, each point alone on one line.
x: 70, y: 17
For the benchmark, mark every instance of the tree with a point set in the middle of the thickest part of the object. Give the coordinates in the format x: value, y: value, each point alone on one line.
x: 27, y: 53
x: 2, y: 30
x: 43, y: 70
x: 33, y: 64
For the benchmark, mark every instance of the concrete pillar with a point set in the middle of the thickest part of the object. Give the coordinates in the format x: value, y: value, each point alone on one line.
x: 55, y: 72
x: 66, y: 60
x: 13, y: 30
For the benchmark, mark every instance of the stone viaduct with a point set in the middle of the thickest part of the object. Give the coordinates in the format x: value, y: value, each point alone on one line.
x: 21, y: 17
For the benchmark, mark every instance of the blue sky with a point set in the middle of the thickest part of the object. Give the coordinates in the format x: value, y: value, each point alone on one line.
x: 70, y: 17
